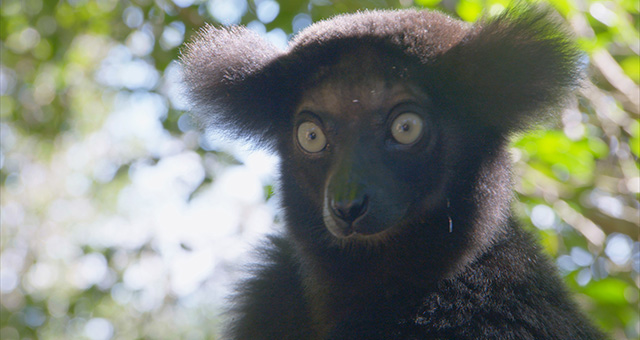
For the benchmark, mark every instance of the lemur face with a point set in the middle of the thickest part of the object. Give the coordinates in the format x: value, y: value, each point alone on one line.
x: 367, y: 150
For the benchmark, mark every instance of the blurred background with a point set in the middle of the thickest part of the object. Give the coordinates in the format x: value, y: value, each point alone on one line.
x: 120, y: 220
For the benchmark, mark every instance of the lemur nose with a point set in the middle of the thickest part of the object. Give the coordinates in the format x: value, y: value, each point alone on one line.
x: 350, y: 210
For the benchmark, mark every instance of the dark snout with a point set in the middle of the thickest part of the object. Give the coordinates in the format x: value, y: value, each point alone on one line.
x: 361, y: 201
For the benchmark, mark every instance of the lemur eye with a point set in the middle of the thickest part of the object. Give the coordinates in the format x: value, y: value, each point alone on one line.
x: 407, y: 128
x: 311, y: 137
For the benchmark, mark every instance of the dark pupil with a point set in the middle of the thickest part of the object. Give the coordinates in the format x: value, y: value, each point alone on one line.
x: 311, y: 135
x: 405, y: 127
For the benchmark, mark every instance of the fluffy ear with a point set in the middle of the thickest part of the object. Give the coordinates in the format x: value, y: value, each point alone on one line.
x: 231, y: 82
x: 514, y: 70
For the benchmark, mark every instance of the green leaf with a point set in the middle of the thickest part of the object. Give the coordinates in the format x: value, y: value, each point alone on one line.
x: 549, y: 241
x: 631, y: 66
x: 469, y: 10
x: 634, y: 141
x: 608, y: 291
x: 427, y: 3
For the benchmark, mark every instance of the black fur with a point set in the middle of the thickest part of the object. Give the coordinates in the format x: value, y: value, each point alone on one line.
x: 434, y: 252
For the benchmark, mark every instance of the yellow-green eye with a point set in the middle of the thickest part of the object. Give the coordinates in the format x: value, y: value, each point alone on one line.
x: 407, y: 128
x: 311, y: 137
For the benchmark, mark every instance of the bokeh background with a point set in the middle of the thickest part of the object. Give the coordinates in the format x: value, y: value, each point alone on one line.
x: 120, y: 220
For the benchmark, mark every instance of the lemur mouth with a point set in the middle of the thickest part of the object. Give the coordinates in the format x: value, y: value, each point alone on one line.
x: 351, y: 220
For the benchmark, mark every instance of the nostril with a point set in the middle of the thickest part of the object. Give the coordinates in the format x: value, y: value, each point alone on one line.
x: 349, y: 211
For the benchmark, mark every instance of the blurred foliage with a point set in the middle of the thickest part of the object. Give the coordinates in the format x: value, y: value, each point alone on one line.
x: 97, y: 152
